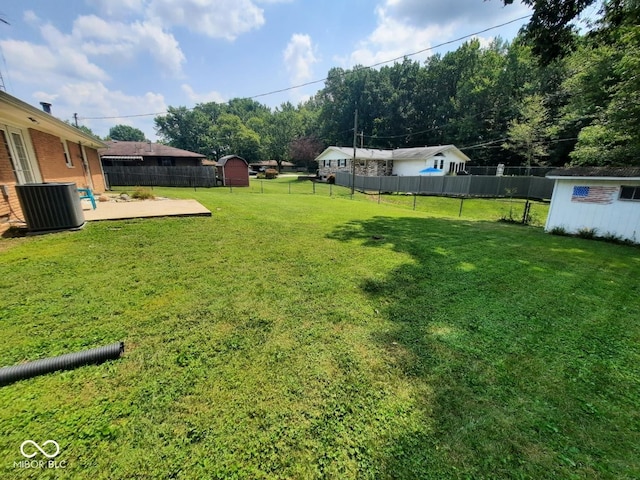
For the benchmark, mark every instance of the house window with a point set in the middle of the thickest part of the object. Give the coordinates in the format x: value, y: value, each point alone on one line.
x: 326, y: 163
x: 167, y: 162
x: 67, y: 157
x: 442, y: 164
x: 342, y: 162
x: 630, y: 192
x: 452, y: 167
x: 435, y: 163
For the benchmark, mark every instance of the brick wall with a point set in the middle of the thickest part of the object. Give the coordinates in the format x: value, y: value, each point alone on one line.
x: 369, y: 168
x: 51, y: 161
x: 10, y: 211
x: 50, y: 154
x: 96, y: 170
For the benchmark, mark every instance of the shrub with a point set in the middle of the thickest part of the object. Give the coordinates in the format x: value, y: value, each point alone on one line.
x: 558, y: 231
x: 588, y: 233
x: 331, y: 179
x: 271, y: 173
x: 143, y: 194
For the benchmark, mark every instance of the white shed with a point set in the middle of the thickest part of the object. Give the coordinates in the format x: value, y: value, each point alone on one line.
x: 604, y: 200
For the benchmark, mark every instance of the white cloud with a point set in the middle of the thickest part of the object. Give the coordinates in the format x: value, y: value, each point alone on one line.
x: 94, y: 99
x: 299, y: 58
x: 118, y: 8
x: 194, y: 97
x: 122, y: 42
x: 392, y: 39
x: 408, y: 26
x: 31, y: 63
x: 214, y: 18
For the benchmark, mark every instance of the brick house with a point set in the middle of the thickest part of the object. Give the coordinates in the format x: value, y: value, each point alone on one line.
x: 36, y: 147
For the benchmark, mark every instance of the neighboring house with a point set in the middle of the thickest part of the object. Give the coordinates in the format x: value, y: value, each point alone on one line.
x: 147, y: 154
x: 603, y: 200
x: 36, y: 147
x: 234, y: 171
x: 447, y: 159
x: 260, y: 166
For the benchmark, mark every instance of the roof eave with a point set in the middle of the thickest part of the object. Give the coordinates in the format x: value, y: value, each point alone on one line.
x: 28, y: 116
x: 585, y: 177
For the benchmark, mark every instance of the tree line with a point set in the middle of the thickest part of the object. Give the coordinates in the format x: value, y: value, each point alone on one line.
x: 551, y: 96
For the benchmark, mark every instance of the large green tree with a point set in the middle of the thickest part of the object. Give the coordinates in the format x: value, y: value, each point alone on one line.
x: 551, y: 28
x: 126, y: 133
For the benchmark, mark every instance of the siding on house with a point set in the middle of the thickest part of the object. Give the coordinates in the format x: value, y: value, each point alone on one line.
x: 448, y: 161
x: 401, y: 161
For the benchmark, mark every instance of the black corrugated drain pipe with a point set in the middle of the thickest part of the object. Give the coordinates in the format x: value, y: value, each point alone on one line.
x: 63, y: 362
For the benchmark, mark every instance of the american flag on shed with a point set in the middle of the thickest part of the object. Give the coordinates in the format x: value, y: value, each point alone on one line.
x: 597, y: 194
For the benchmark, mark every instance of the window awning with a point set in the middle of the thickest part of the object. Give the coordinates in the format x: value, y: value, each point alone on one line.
x: 123, y: 158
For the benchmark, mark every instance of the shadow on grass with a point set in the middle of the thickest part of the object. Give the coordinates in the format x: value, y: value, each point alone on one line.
x: 505, y: 381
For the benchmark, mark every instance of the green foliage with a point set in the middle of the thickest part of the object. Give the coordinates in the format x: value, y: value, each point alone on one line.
x: 546, y: 92
x: 551, y: 28
x: 558, y: 231
x: 375, y: 342
x: 142, y: 193
x: 271, y: 173
x: 588, y: 233
x: 528, y: 133
x: 126, y: 133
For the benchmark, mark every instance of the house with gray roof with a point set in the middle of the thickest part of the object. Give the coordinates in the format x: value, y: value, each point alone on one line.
x: 148, y: 154
x: 435, y: 160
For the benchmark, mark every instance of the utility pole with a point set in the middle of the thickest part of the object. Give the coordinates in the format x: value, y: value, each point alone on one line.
x: 353, y: 162
x: 75, y: 119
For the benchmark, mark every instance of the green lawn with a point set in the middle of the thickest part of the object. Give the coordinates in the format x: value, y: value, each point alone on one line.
x: 315, y: 336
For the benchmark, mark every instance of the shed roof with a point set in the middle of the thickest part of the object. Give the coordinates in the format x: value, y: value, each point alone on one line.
x: 222, y: 161
x: 595, y: 172
x: 117, y: 148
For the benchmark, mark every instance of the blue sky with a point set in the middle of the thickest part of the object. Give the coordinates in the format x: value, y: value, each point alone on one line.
x: 115, y: 58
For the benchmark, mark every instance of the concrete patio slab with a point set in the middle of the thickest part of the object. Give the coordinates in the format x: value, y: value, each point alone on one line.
x: 145, y: 209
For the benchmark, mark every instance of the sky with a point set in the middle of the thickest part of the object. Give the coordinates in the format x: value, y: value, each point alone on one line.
x: 122, y: 61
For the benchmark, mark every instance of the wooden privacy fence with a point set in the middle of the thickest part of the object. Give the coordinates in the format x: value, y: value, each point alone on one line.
x: 457, y: 186
x: 161, y: 176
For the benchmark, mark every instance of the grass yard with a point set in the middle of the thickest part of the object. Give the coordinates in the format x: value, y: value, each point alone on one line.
x: 306, y: 336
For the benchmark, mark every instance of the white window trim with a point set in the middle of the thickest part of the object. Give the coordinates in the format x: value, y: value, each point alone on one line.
x: 31, y: 156
x: 67, y: 157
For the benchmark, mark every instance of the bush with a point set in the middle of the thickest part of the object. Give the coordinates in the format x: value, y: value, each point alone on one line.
x: 588, y: 233
x: 558, y: 231
x: 143, y: 194
x: 271, y: 173
x: 331, y: 179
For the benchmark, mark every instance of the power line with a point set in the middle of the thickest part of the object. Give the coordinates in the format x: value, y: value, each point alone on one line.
x: 343, y: 74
